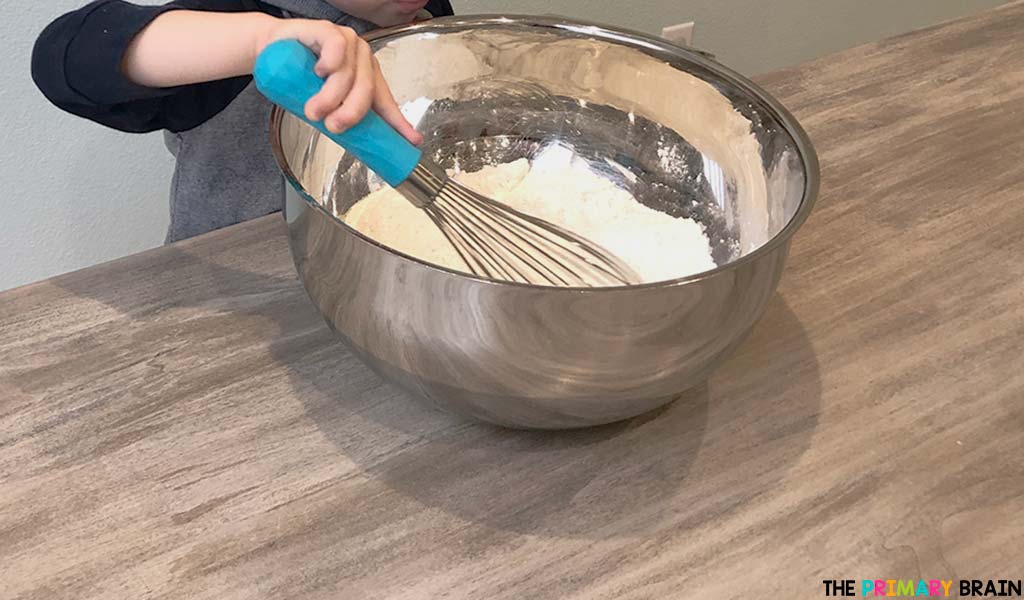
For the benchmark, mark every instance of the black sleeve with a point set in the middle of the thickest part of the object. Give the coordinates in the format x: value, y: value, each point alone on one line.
x: 440, y: 8
x: 76, y: 63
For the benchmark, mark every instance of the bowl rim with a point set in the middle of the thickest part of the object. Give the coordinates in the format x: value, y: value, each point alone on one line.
x: 652, y: 46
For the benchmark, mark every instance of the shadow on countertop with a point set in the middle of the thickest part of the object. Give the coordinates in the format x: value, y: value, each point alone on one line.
x: 713, y: 450
x: 710, y: 453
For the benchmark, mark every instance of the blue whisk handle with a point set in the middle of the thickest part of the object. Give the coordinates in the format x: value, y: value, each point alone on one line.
x: 284, y: 73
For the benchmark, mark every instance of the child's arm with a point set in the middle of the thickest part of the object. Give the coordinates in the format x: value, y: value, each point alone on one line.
x: 188, y: 47
x: 143, y: 68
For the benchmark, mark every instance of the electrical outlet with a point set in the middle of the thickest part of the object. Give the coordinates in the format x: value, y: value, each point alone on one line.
x: 681, y: 34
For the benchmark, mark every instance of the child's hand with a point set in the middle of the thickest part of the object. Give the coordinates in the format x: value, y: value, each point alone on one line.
x: 354, y: 81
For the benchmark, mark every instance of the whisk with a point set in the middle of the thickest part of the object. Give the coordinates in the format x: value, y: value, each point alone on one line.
x: 494, y: 240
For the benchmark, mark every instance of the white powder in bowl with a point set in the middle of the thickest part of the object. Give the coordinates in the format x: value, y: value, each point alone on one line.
x: 558, y: 189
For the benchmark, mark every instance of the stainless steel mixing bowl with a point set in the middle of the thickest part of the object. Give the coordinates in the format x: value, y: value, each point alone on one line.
x: 682, y: 133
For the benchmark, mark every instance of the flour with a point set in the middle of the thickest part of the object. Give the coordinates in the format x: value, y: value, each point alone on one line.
x: 601, y: 72
x: 562, y: 190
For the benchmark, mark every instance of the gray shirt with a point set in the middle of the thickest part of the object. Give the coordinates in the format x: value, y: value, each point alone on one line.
x: 225, y: 172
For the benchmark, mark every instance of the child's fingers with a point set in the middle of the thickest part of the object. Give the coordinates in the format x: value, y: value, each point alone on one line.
x: 385, y: 105
x: 360, y: 97
x: 336, y: 88
x: 353, y: 80
x: 333, y: 50
x: 312, y: 33
x: 340, y: 50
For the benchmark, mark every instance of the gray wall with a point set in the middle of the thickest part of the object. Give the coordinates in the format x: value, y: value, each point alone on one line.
x: 77, y: 194
x: 754, y: 36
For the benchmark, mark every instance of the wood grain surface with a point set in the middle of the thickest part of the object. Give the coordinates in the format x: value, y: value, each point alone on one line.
x: 180, y: 423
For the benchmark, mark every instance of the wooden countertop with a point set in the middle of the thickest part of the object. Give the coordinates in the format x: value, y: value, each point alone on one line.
x: 180, y: 423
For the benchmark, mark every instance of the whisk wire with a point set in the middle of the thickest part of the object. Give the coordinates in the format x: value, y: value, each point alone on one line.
x: 475, y: 244
x: 460, y: 246
x: 500, y: 242
x: 509, y: 235
x: 583, y: 252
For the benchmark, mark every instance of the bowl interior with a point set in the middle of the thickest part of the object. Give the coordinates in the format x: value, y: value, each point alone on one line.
x: 682, y: 134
